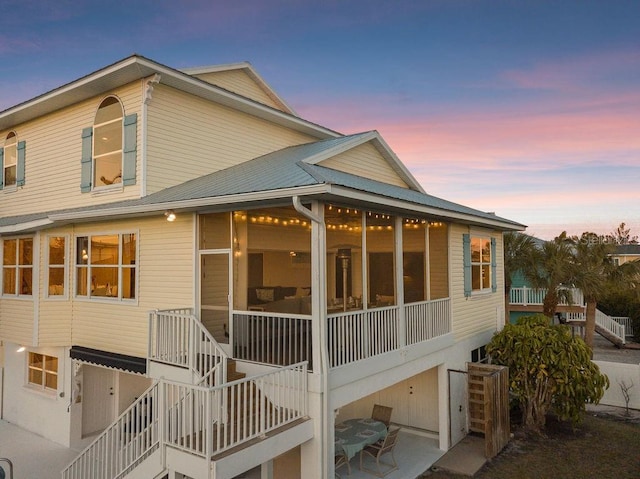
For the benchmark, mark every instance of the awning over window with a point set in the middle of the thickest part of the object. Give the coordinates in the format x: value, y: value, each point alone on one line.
x: 111, y: 360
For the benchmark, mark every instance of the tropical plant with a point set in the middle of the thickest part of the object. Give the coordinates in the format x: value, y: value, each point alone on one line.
x: 552, y: 271
x: 519, y: 256
x: 593, y: 268
x: 550, y: 370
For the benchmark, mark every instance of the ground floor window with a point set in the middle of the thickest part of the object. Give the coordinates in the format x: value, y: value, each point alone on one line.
x: 43, y: 371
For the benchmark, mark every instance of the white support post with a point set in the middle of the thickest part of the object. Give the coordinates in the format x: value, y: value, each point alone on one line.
x: 399, y: 273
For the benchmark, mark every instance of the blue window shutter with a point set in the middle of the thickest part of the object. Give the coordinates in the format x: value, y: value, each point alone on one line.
x: 22, y: 147
x: 494, y: 268
x: 466, y: 261
x: 130, y: 150
x: 1, y: 167
x: 87, y: 148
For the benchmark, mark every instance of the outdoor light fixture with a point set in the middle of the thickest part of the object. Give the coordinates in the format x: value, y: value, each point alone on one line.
x: 171, y: 216
x: 20, y: 349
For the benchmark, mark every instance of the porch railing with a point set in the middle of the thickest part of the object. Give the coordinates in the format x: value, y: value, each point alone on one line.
x: 535, y: 297
x: 627, y: 322
x: 604, y: 321
x: 208, y: 421
x: 176, y: 337
x: 356, y: 335
x: 273, y: 338
x: 427, y: 319
x: 126, y: 442
x: 203, y: 421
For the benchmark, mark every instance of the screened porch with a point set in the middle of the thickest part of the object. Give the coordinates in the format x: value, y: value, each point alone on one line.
x: 385, y: 283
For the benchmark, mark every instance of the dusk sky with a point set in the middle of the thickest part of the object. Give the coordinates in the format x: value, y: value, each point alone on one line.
x: 530, y: 109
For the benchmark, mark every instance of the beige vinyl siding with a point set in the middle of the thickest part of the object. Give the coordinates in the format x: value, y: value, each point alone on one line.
x: 53, y: 153
x: 479, y: 313
x: 165, y: 280
x: 55, y: 313
x: 365, y: 160
x: 16, y: 321
x: 189, y: 137
x: 238, y: 81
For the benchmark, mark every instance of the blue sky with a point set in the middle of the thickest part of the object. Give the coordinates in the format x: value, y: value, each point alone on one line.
x: 530, y: 109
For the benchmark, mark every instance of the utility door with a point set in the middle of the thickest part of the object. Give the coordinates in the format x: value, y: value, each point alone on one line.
x: 98, y: 399
x: 215, y: 293
x: 458, y: 405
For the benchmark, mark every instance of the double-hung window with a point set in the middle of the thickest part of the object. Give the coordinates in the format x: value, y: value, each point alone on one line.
x: 109, y: 149
x: 106, y: 266
x: 12, y: 162
x: 43, y: 371
x: 17, y: 266
x: 107, y: 144
x: 480, y: 263
x: 480, y: 267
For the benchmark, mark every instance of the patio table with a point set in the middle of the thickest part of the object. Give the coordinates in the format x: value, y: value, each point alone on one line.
x: 353, y: 435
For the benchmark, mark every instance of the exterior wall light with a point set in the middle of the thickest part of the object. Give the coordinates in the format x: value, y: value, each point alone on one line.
x: 171, y: 216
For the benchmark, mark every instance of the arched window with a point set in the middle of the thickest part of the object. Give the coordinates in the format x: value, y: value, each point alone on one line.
x: 10, y: 159
x: 107, y: 143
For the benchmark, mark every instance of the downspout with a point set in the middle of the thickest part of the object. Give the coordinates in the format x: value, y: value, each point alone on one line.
x: 324, y: 360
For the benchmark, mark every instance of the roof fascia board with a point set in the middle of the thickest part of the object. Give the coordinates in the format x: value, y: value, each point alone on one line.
x: 253, y: 74
x: 429, y: 210
x: 190, y: 204
x: 397, y: 165
x: 380, y: 145
x: 24, y: 227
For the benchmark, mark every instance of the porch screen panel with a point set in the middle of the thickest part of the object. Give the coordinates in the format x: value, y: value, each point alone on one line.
x: 381, y: 259
x: 438, y: 261
x: 272, y: 261
x: 413, y: 259
x: 214, y: 231
x: 344, y: 258
x: 214, y: 295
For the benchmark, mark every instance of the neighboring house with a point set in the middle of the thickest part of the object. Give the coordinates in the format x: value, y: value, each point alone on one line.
x: 625, y: 253
x: 278, y: 276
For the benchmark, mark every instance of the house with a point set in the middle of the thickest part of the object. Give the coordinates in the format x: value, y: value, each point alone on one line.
x: 625, y: 253
x: 197, y: 281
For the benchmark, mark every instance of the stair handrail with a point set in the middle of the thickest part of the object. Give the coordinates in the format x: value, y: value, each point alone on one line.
x: 128, y: 440
x: 611, y: 325
x: 178, y: 338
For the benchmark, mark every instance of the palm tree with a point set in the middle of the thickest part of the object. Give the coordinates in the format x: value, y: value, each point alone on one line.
x: 593, y: 269
x: 519, y: 256
x: 553, y: 269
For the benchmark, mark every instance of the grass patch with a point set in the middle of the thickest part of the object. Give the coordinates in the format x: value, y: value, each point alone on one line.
x: 597, y: 448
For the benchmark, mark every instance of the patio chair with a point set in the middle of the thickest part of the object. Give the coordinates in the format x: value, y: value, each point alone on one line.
x: 341, y: 460
x: 379, y: 449
x: 382, y: 414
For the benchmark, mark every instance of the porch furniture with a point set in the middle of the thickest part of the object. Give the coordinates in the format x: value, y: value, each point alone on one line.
x: 382, y: 414
x: 379, y: 449
x: 341, y: 460
x: 354, y: 435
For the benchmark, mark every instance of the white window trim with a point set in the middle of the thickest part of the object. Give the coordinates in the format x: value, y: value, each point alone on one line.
x: 65, y: 296
x: 117, y: 186
x: 483, y: 237
x: 41, y: 388
x: 107, y: 299
x: 14, y: 186
x: 34, y: 278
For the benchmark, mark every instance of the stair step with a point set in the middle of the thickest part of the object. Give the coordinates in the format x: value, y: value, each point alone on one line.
x: 235, y: 376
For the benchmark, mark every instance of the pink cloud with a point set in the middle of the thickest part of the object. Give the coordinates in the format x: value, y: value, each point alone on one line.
x: 570, y: 74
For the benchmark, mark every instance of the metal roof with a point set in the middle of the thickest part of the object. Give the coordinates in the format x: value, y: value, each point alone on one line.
x: 278, y: 175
